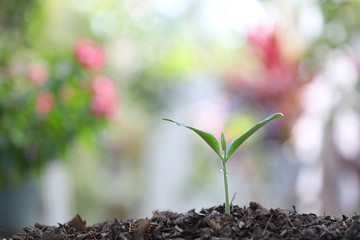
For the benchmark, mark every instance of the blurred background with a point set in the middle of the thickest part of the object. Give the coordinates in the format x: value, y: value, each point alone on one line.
x: 84, y: 85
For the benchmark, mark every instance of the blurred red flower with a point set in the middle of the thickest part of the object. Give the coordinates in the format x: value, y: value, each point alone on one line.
x: 276, y: 75
x: 44, y: 103
x: 272, y: 79
x: 36, y: 73
x: 279, y: 73
x: 104, y: 100
x: 264, y: 41
x: 89, y: 54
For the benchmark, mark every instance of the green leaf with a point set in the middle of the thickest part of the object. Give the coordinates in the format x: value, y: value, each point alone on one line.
x: 223, y: 143
x: 208, y: 138
x: 237, y: 142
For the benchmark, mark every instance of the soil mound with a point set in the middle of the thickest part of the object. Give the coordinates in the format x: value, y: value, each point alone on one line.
x: 253, y: 222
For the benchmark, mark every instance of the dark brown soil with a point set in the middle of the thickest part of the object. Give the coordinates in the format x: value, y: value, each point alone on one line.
x: 253, y: 222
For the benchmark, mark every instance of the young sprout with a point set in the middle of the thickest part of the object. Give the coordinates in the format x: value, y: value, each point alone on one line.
x: 227, y: 150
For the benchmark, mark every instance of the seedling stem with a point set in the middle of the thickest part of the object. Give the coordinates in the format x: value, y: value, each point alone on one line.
x: 227, y: 150
x: 227, y: 204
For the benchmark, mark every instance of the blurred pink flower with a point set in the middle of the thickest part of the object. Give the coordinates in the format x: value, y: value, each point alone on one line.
x: 89, y: 54
x: 44, y: 103
x: 36, y: 73
x: 104, y: 100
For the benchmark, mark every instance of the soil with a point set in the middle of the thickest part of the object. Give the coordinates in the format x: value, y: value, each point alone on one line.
x: 253, y: 222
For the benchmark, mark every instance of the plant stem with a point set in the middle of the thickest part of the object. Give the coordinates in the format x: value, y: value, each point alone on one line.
x: 227, y: 204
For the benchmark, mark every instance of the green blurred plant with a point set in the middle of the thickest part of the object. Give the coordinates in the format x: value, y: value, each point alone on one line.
x: 227, y: 150
x: 47, y: 103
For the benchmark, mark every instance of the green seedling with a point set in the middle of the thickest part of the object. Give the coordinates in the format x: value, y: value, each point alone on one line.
x: 227, y: 150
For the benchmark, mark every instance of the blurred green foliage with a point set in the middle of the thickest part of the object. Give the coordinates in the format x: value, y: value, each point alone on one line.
x: 14, y: 14
x: 47, y: 93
